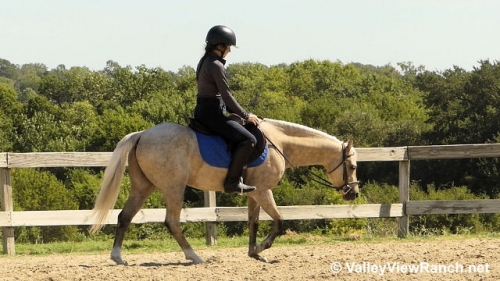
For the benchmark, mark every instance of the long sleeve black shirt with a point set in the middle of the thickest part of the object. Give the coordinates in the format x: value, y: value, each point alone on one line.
x: 212, y: 82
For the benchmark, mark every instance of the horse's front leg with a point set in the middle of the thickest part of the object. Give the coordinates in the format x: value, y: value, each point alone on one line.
x: 253, y: 227
x: 267, y: 202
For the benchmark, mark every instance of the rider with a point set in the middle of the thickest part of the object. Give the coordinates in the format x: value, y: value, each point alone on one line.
x: 214, y: 96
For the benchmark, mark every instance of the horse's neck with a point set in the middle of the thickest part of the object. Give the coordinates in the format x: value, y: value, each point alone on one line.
x: 304, y: 146
x: 307, y: 151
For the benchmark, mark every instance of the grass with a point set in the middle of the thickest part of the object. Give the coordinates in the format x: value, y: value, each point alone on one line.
x: 169, y: 245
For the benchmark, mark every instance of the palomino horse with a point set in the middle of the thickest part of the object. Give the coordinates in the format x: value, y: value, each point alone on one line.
x: 167, y: 157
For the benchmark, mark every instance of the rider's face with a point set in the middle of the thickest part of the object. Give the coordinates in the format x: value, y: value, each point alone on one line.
x: 226, y: 52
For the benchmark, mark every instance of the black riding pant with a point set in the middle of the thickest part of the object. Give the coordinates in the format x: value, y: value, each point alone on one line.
x: 211, y: 113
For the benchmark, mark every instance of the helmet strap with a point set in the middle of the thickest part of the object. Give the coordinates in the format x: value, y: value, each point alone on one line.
x: 222, y: 50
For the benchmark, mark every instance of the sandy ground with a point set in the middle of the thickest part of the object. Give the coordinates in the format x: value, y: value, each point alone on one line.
x: 315, y: 262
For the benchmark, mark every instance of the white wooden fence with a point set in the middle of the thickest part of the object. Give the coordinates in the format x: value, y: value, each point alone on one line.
x: 213, y: 214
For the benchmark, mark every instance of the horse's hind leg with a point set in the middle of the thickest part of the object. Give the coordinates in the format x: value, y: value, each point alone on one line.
x: 174, y: 201
x: 141, y: 188
x: 266, y: 201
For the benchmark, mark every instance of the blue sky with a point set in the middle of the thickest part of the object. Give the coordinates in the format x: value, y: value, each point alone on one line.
x: 170, y: 33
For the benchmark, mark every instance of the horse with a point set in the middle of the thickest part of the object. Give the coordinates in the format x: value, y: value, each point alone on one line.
x: 167, y: 157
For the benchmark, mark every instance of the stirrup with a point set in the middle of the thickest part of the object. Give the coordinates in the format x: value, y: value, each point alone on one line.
x: 239, y: 188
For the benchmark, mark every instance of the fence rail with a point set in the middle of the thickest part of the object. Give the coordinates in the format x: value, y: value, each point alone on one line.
x: 211, y: 214
x: 204, y: 214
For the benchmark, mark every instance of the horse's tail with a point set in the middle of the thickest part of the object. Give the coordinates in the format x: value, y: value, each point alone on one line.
x: 113, y: 175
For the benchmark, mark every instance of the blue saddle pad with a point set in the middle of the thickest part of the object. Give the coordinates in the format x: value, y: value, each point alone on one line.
x: 213, y: 150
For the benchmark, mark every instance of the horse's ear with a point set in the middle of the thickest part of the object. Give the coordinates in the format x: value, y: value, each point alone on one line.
x: 349, y: 143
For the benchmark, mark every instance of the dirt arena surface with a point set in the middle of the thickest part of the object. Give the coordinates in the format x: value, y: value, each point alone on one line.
x: 285, y: 263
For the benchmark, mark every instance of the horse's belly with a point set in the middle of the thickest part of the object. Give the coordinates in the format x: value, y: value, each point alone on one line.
x: 206, y: 177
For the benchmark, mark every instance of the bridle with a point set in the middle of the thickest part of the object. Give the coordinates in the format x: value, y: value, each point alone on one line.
x: 345, y: 188
x: 345, y: 177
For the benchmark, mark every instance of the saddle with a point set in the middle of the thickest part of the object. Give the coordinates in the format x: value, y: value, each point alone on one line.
x: 260, y: 147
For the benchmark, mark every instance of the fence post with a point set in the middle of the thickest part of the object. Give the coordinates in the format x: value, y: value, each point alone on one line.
x: 211, y: 227
x: 7, y: 206
x: 404, y: 196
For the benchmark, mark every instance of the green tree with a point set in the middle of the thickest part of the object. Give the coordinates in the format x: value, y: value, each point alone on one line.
x: 81, y: 120
x: 113, y: 125
x: 443, y: 99
x: 84, y: 187
x: 483, y: 100
x: 10, y: 112
x: 74, y: 85
x: 43, y: 127
x: 264, y: 91
x: 38, y: 191
x: 9, y: 70
x: 132, y: 85
x: 463, y: 108
x: 31, y: 75
x: 374, y: 109
x: 164, y: 106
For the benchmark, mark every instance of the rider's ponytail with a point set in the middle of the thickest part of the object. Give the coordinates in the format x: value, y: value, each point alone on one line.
x: 208, y: 48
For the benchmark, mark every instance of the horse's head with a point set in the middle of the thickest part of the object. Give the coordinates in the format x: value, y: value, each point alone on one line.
x: 343, y: 172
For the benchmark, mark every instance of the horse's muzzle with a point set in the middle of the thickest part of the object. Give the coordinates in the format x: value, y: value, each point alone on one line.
x: 349, y: 193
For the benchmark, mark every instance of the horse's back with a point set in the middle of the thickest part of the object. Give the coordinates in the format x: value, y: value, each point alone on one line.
x: 167, y: 129
x: 165, y: 146
x: 168, y: 155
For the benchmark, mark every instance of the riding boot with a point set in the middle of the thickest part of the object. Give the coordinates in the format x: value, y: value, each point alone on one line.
x: 239, y: 159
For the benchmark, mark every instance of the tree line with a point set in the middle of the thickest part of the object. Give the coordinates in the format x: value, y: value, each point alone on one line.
x: 78, y: 109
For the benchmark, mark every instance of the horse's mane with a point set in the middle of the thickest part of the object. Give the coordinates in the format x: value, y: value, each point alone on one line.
x: 300, y: 129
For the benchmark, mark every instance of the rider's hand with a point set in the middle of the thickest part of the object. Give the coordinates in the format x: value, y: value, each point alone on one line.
x: 252, y: 118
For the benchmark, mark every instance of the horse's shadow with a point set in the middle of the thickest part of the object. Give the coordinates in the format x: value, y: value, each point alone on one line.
x: 156, y: 264
x: 178, y: 263
x: 190, y: 263
x: 145, y: 264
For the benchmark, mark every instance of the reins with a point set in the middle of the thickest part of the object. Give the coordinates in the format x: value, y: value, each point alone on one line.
x: 319, y: 179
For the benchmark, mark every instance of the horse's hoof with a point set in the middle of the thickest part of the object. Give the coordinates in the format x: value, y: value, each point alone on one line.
x: 259, y: 258
x: 197, y: 261
x: 191, y: 255
x: 119, y: 261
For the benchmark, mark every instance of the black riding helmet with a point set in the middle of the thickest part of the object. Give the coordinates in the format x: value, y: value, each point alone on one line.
x: 221, y: 34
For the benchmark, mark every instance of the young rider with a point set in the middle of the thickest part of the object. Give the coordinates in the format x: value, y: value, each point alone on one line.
x: 214, y: 97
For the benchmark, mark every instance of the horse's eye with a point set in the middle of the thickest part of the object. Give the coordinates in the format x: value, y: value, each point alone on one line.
x: 353, y: 167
